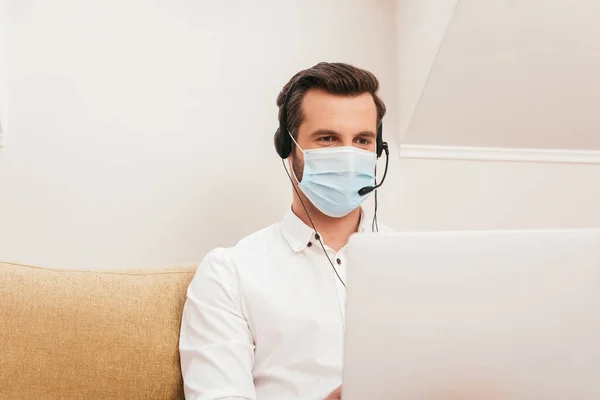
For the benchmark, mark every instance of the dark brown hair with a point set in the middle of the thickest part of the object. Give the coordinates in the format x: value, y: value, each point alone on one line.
x: 335, y: 78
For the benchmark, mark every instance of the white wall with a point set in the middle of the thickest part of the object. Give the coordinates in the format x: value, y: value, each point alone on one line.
x: 522, y: 74
x: 141, y: 132
x: 454, y: 194
x: 3, y: 69
x: 421, y: 26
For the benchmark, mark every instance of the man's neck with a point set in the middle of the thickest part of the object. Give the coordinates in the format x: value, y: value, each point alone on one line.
x: 335, y: 232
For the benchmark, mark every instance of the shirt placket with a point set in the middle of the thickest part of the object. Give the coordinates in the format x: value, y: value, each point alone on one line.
x: 337, y: 260
x: 340, y: 266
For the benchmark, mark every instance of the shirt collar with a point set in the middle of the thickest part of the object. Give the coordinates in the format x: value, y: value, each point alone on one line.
x: 298, y: 234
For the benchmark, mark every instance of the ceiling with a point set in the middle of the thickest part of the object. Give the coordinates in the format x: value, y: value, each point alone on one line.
x: 509, y: 73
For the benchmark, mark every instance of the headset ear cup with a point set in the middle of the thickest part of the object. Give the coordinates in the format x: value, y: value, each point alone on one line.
x: 379, y: 140
x: 286, y: 146
x: 277, y: 141
x: 283, y: 143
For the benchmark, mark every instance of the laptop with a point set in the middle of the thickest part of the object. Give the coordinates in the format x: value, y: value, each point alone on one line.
x: 498, y: 315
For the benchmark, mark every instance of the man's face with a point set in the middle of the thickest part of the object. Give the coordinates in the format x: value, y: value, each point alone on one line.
x: 333, y: 121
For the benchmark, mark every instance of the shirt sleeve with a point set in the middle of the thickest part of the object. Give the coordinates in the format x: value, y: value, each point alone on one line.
x: 216, y: 345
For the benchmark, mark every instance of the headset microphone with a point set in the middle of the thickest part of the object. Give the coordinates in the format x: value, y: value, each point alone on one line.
x: 368, y: 189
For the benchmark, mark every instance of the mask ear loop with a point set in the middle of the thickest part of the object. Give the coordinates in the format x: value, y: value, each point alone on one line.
x: 294, y: 140
x: 293, y: 172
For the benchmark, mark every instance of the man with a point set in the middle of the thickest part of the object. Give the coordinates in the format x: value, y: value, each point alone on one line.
x: 265, y: 319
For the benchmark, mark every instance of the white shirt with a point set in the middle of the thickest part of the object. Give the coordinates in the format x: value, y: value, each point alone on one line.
x: 265, y: 319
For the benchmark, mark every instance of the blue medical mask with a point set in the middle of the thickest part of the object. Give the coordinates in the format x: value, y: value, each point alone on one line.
x: 333, y: 176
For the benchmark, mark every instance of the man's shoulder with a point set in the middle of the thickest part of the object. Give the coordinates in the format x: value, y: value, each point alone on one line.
x: 247, y: 248
x: 265, y: 235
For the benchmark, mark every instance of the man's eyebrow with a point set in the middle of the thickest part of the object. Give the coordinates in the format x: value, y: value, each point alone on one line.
x: 369, y: 134
x: 323, y: 132
x: 328, y: 132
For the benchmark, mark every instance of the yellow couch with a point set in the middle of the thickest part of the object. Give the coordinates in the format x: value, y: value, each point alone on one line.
x: 68, y: 334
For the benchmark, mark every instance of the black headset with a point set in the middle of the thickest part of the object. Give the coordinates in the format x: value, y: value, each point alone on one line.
x: 283, y: 146
x: 283, y: 141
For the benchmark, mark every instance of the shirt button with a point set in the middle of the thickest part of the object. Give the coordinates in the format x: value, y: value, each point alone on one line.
x: 339, y: 261
x: 309, y: 244
x: 317, y: 236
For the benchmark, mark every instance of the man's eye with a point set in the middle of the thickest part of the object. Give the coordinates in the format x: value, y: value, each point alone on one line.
x: 363, y: 141
x: 326, y: 139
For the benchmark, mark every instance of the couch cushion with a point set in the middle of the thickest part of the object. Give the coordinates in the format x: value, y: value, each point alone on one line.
x: 68, y: 334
